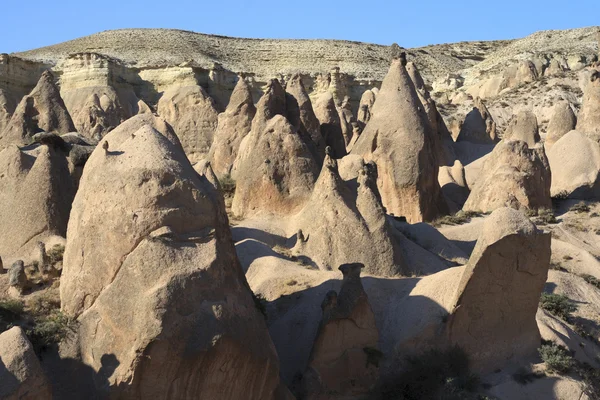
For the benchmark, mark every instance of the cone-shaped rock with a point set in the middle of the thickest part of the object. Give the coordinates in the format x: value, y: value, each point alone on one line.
x: 588, y: 120
x: 398, y: 139
x: 575, y: 164
x: 563, y: 121
x: 6, y: 109
x: 234, y: 124
x: 345, y: 355
x: 340, y: 226
x: 346, y: 120
x: 151, y: 272
x: 493, y: 317
x: 331, y: 127
x: 366, y: 106
x: 479, y: 126
x: 193, y: 115
x: 454, y: 186
x: 523, y: 126
x: 514, y: 175
x: 42, y: 110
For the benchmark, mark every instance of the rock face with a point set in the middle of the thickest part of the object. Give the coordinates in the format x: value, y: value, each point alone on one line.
x: 21, y: 375
x: 493, y: 317
x: 193, y: 115
x: 398, y: 139
x: 275, y: 169
x: 344, y: 358
x: 151, y: 273
x: 588, y: 120
x: 234, y: 124
x: 479, y: 126
x: 42, y: 110
x: 562, y: 122
x: 331, y: 128
x: 514, y: 175
x: 36, y: 194
x: 340, y: 226
x: 524, y: 127
x: 575, y: 164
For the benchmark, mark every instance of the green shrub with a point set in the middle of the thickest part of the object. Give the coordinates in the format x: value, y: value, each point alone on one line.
x: 55, y: 254
x: 546, y: 216
x: 557, y: 304
x: 14, y: 307
x: 459, y: 218
x: 592, y: 280
x: 227, y: 184
x: 580, y: 207
x: 49, y: 330
x: 556, y: 357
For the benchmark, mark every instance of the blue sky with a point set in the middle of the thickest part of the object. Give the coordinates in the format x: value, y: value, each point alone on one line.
x: 37, y: 23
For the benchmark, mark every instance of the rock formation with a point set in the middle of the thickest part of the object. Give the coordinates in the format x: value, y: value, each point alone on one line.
x: 575, y: 164
x: 493, y: 314
x: 21, y: 375
x: 331, y: 127
x: 275, y: 170
x: 563, y: 121
x: 346, y: 120
x: 42, y: 110
x: 193, y: 115
x: 588, y: 120
x: 365, y: 107
x: 151, y: 273
x: 454, y: 186
x: 345, y: 356
x: 398, y: 138
x: 233, y: 125
x: 523, y: 126
x: 514, y: 175
x: 479, y: 126
x: 340, y: 226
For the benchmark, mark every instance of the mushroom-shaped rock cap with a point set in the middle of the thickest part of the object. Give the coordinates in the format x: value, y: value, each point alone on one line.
x: 351, y: 270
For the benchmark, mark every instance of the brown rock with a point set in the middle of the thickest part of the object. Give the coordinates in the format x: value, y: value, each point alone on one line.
x: 523, y: 126
x: 331, y: 128
x: 479, y: 126
x: 398, y: 139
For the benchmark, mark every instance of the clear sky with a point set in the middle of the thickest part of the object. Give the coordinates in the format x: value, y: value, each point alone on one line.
x: 36, y: 23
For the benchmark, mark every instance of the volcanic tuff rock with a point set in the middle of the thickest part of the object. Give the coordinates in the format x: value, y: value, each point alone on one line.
x: 331, y: 128
x: 454, y: 186
x: 275, y: 169
x: 493, y: 314
x: 524, y: 127
x: 42, y: 110
x: 151, y: 273
x: 563, y: 121
x: 233, y: 125
x: 399, y: 139
x: 479, y: 126
x: 588, y: 120
x: 21, y: 375
x: 514, y: 175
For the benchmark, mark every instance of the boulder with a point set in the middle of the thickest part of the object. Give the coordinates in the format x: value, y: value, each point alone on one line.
x: 233, y: 125
x: 42, y: 110
x: 345, y: 355
x: 331, y: 128
x: 275, y: 170
x: 193, y: 115
x: 398, y: 139
x: 523, y: 126
x: 21, y: 375
x: 514, y: 175
x: 588, y: 120
x: 479, y: 126
x: 575, y: 164
x: 341, y: 225
x: 150, y: 273
x: 493, y: 317
x: 562, y: 121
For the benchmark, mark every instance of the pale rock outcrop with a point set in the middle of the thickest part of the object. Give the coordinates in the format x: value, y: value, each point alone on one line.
x: 345, y: 355
x: 42, y: 110
x: 398, y: 139
x: 301, y: 115
x: 514, y: 175
x: 554, y: 68
x: 563, y: 121
x: 331, y: 127
x: 233, y: 125
x: 523, y: 126
x: 193, y: 115
x: 575, y: 164
x: 36, y: 194
x: 346, y: 120
x: 21, y: 375
x: 366, y: 105
x: 341, y: 225
x: 151, y: 274
x: 588, y: 120
x: 493, y: 316
x: 6, y: 109
x: 479, y: 126
x: 454, y: 185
